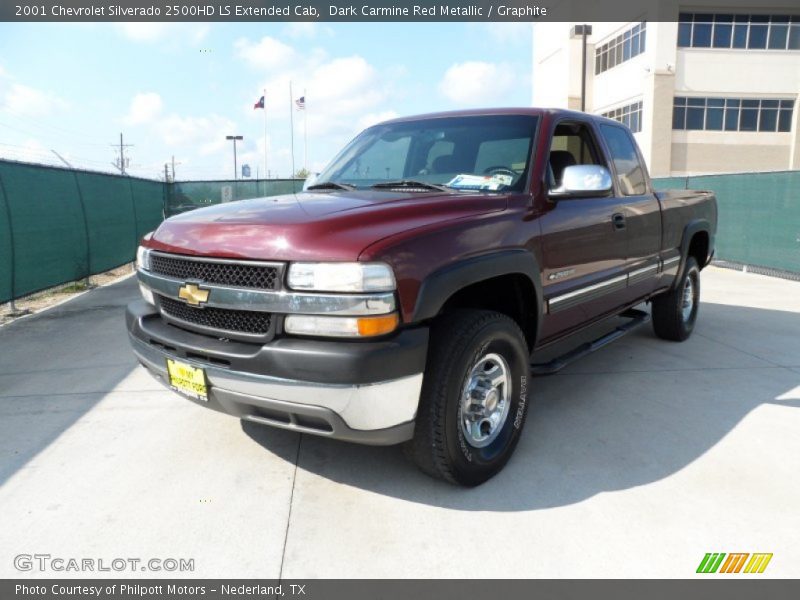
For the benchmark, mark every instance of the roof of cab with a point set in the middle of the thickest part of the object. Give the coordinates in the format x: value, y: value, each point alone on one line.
x: 526, y: 110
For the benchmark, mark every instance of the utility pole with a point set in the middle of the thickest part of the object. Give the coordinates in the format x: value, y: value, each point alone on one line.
x: 234, y: 138
x: 166, y: 173
x: 121, y: 163
x: 291, y: 125
x: 173, y: 167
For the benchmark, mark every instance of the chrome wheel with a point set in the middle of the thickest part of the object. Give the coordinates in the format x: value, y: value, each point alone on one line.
x: 485, y: 400
x: 687, y: 305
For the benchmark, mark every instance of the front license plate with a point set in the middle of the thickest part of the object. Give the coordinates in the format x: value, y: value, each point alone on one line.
x: 187, y: 379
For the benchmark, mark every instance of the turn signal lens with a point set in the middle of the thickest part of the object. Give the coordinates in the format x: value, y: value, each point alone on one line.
x: 371, y: 326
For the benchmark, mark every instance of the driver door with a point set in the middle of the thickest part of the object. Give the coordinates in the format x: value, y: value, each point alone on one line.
x: 583, y: 246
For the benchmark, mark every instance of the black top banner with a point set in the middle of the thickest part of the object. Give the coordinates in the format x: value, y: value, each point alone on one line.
x: 376, y: 10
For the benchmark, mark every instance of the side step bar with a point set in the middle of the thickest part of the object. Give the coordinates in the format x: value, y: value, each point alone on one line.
x: 637, y: 317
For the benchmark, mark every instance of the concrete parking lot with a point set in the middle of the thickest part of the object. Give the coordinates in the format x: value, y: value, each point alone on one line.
x: 634, y: 462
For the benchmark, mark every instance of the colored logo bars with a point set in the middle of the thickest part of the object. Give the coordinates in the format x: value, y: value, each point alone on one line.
x: 719, y: 562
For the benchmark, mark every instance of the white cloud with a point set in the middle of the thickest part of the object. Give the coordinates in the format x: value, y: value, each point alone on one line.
x: 153, y: 31
x: 474, y: 83
x: 143, y: 32
x: 144, y: 108
x: 205, y: 134
x: 26, y: 101
x: 268, y: 53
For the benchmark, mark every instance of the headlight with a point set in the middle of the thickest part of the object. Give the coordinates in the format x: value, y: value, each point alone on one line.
x: 341, y: 277
x: 341, y: 326
x: 143, y: 258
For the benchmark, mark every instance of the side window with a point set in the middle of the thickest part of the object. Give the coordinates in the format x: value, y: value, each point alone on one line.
x: 572, y: 145
x: 630, y: 173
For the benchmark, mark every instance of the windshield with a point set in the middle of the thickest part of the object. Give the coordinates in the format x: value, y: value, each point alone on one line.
x: 480, y: 153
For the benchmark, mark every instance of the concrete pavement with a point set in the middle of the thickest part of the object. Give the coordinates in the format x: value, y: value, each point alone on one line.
x: 634, y: 462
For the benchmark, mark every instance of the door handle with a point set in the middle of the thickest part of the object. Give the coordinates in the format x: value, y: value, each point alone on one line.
x: 619, y: 221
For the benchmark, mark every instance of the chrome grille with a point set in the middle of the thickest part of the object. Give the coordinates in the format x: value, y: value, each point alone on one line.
x: 235, y: 274
x: 219, y: 319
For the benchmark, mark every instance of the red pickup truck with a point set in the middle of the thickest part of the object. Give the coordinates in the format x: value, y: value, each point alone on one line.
x: 401, y: 296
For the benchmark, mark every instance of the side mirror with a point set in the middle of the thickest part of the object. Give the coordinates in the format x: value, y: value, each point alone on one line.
x: 583, y: 180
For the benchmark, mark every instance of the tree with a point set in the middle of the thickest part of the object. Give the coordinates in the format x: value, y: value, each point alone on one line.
x: 302, y: 174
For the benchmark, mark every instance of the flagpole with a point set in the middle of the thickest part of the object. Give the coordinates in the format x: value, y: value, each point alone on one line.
x: 305, y: 131
x: 266, y: 171
x: 291, y: 125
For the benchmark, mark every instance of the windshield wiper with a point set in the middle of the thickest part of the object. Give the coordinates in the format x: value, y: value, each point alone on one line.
x: 410, y: 183
x: 331, y: 185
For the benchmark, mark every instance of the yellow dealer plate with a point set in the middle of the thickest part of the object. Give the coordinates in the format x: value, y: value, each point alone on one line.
x: 187, y: 379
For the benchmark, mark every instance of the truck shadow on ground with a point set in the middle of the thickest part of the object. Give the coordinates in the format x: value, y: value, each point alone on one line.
x: 638, y: 411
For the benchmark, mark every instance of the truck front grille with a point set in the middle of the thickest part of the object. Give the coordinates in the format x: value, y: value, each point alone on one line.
x: 234, y: 274
x: 219, y: 319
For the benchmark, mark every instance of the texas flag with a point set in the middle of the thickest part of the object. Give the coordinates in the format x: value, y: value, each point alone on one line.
x: 259, y: 104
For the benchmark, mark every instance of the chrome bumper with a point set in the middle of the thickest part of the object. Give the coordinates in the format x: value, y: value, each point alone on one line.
x: 377, y: 413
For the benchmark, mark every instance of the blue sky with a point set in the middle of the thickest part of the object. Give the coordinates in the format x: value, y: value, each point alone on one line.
x: 178, y: 89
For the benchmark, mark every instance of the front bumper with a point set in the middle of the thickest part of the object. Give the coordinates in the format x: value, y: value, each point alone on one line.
x: 364, y: 392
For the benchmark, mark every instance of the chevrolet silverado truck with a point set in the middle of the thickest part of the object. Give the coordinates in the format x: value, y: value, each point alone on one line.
x: 401, y: 297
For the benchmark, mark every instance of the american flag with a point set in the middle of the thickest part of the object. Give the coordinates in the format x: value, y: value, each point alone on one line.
x: 301, y: 103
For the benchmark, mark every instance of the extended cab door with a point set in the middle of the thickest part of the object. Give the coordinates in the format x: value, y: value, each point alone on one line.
x: 640, y: 207
x: 583, y: 245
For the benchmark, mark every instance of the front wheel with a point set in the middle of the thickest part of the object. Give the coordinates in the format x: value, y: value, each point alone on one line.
x: 675, y: 312
x: 474, y: 397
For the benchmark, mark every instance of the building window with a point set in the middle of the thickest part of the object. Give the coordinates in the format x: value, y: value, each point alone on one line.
x: 755, y: 32
x: 732, y: 114
x: 630, y: 115
x: 621, y: 48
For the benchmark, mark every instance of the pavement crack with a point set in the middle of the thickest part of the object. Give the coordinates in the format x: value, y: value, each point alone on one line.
x: 291, y: 502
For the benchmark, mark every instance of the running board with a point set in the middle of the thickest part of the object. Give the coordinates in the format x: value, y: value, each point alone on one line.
x: 637, y: 317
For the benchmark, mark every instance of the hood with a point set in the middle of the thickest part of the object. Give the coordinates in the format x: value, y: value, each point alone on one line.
x: 311, y: 225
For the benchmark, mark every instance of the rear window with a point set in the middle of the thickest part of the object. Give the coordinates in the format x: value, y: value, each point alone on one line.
x: 630, y: 173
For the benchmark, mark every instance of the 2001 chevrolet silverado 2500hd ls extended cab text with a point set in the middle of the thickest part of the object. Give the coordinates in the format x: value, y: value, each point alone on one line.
x: 400, y: 296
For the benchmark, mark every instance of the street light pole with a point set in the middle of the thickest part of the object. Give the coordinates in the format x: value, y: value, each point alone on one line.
x: 583, y: 31
x: 234, y: 138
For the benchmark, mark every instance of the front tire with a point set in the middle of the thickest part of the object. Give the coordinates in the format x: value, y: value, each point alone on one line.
x: 675, y: 312
x: 474, y: 397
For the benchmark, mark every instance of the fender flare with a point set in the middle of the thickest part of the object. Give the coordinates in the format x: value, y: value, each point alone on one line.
x: 694, y: 226
x: 440, y: 285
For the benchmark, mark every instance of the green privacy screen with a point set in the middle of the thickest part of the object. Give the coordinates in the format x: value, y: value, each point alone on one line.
x: 188, y: 195
x: 759, y: 216
x: 59, y: 225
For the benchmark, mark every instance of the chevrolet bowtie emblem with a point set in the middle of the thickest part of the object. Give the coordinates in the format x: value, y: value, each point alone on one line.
x: 193, y: 294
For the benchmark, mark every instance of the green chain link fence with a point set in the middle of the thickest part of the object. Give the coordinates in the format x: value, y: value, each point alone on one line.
x: 59, y: 225
x: 188, y: 195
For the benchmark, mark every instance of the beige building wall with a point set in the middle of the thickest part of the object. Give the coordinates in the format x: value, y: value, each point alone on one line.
x: 662, y: 72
